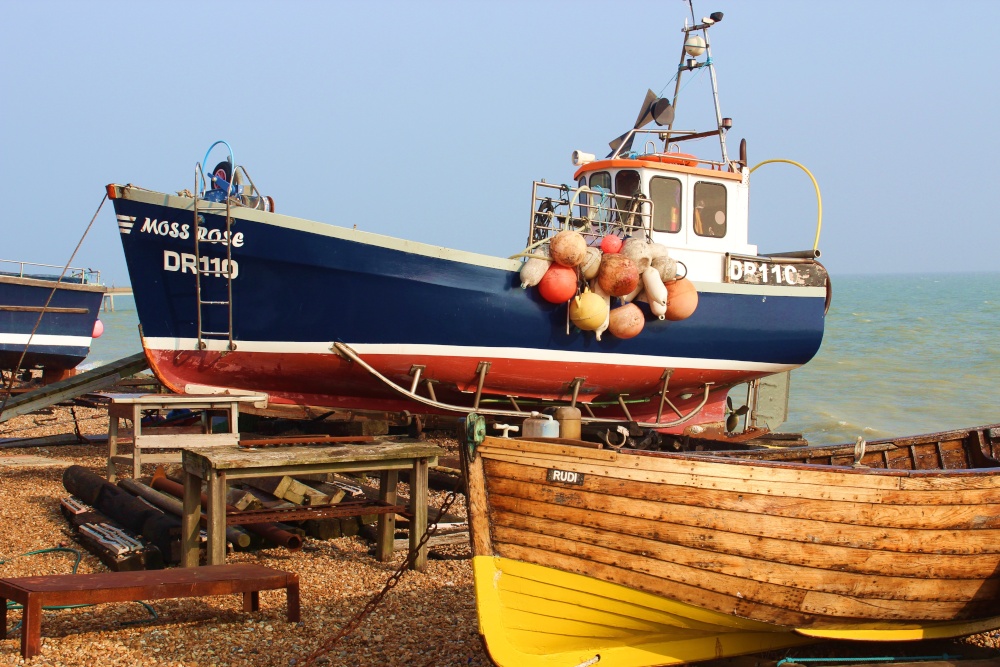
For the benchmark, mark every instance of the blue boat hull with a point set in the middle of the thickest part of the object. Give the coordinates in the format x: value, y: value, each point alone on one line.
x: 63, y: 335
x: 299, y: 286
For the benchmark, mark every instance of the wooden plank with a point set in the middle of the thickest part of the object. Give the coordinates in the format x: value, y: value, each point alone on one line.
x: 84, y: 383
x: 879, y: 518
x: 782, y: 602
x: 649, y: 539
x: 388, y: 481
x: 418, y: 511
x: 451, y: 539
x: 848, y: 485
x: 479, y: 526
x: 291, y: 457
x: 670, y: 525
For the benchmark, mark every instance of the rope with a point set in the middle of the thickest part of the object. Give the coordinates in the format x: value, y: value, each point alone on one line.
x: 17, y: 369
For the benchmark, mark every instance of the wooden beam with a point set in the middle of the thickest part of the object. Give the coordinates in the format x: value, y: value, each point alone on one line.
x: 84, y: 383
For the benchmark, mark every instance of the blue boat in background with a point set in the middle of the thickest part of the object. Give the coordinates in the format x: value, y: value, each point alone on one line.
x: 46, y: 322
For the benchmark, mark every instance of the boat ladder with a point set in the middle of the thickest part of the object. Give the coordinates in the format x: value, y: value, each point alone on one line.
x: 223, y: 269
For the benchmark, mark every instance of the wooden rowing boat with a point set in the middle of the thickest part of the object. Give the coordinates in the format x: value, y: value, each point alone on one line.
x: 585, y: 555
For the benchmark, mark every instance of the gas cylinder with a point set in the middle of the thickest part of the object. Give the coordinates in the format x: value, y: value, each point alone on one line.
x: 540, y: 426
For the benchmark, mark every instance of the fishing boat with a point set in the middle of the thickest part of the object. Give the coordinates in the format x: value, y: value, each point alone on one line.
x: 47, y: 318
x: 585, y: 555
x: 230, y: 293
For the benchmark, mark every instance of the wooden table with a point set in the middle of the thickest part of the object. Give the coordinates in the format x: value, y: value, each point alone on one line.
x: 219, y: 465
x: 131, y: 406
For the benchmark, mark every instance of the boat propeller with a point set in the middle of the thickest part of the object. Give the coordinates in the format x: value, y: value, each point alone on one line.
x: 733, y: 414
x: 653, y: 108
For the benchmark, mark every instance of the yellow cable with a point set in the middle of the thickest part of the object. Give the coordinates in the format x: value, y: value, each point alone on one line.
x: 819, y: 199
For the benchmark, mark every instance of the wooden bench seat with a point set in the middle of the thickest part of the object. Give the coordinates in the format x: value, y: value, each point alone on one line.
x: 68, y: 589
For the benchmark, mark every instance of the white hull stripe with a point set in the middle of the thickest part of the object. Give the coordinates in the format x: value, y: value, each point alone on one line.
x: 514, y: 353
x: 45, y: 339
x: 125, y: 223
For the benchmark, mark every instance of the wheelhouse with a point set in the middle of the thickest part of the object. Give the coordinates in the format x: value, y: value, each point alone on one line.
x: 699, y: 213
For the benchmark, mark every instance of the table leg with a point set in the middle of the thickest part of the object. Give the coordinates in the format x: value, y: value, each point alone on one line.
x: 3, y: 618
x: 388, y: 480
x: 112, y: 443
x: 216, y: 518
x: 190, y: 521
x: 136, y: 450
x: 418, y: 509
x: 292, y: 598
x: 31, y: 627
x: 251, y: 601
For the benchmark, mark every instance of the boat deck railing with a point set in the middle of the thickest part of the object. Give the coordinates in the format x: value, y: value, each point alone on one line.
x: 32, y: 270
x: 593, y: 212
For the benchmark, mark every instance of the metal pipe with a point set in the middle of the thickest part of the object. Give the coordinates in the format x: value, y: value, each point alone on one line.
x: 237, y: 536
x: 268, y: 531
x: 347, y: 351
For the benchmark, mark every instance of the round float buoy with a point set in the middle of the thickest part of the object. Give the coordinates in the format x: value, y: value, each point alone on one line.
x: 568, y: 248
x: 626, y: 321
x: 682, y: 299
x: 618, y: 275
x: 588, y: 311
x: 558, y: 285
x: 611, y: 244
x: 98, y: 329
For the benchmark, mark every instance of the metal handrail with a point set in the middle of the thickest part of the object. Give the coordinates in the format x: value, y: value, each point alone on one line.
x: 606, y: 212
x: 85, y: 275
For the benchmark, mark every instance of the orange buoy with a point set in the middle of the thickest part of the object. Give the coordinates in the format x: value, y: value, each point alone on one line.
x: 626, y: 321
x: 682, y: 299
x: 568, y: 248
x: 558, y: 285
x: 618, y: 275
x: 611, y: 244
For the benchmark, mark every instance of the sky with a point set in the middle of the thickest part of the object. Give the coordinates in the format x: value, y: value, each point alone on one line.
x: 429, y: 120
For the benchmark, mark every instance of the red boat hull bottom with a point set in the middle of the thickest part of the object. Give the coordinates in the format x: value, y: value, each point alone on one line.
x: 330, y: 380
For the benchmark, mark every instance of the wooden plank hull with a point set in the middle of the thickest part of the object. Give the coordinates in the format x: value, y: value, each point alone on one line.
x: 742, y: 554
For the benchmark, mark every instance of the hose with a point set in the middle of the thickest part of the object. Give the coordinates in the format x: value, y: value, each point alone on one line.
x: 819, y: 199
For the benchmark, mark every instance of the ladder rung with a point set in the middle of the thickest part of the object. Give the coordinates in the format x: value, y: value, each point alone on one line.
x: 215, y: 333
x: 214, y: 303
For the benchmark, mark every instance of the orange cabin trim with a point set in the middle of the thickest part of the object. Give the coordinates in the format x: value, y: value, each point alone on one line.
x: 653, y: 162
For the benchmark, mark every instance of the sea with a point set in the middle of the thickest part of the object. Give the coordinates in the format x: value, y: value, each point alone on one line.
x: 901, y: 355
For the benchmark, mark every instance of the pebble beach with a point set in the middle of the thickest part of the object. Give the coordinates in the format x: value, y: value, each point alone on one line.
x: 429, y: 618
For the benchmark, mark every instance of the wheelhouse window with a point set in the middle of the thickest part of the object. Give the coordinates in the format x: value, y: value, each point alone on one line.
x: 710, y: 212
x: 626, y: 187
x: 666, y: 196
x: 599, y: 213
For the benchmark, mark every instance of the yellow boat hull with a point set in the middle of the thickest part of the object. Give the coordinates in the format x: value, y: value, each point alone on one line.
x: 535, y: 616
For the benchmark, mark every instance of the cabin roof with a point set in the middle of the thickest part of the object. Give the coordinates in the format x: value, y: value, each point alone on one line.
x: 649, y: 162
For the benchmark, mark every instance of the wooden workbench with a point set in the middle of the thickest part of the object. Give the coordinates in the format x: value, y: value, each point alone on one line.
x: 220, y: 465
x: 169, y: 444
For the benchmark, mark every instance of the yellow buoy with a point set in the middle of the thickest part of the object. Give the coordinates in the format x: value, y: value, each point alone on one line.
x: 588, y: 310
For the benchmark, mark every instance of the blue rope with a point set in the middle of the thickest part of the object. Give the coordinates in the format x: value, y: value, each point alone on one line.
x: 944, y: 656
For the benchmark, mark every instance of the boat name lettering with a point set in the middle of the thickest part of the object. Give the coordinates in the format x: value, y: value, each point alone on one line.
x: 176, y: 230
x: 186, y: 262
x: 564, y: 476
